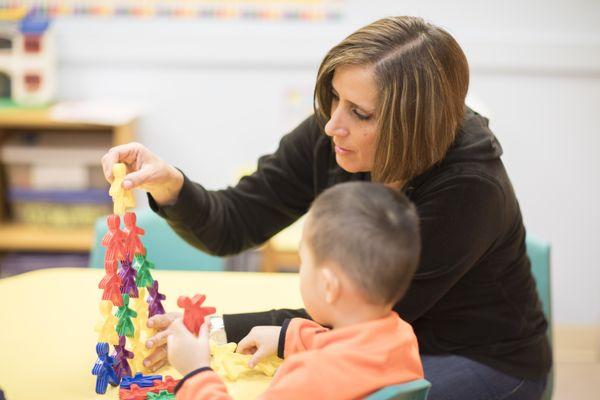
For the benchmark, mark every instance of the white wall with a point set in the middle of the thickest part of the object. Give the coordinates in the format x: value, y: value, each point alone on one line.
x: 215, y: 96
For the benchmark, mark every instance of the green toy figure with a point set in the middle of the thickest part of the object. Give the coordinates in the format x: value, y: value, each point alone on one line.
x: 124, y: 313
x: 143, y: 266
x: 162, y: 395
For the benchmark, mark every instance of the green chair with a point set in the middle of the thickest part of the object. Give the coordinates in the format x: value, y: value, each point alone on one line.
x: 539, y: 254
x: 165, y: 249
x: 415, y: 390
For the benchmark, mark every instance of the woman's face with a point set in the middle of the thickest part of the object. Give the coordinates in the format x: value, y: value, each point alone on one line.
x: 353, y: 123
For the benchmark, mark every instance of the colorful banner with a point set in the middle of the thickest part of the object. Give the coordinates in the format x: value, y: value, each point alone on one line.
x: 249, y: 10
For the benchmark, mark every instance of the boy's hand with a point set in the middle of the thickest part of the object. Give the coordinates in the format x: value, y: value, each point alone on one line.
x: 262, y: 342
x: 185, y: 351
x: 158, y: 342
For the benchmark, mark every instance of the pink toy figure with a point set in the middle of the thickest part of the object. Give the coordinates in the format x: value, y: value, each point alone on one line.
x: 114, y: 239
x: 193, y: 312
x: 133, y: 243
x: 127, y: 275
x: 155, y: 306
x: 122, y: 354
x: 111, y: 284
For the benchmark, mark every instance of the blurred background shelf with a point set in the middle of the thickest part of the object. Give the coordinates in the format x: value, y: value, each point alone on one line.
x: 52, y: 188
x: 23, y: 237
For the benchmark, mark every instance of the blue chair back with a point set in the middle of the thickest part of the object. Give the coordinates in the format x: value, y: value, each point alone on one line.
x: 164, y: 248
x: 415, y: 390
x: 539, y: 254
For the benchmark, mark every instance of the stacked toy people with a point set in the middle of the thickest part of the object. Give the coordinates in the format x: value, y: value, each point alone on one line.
x: 127, y: 276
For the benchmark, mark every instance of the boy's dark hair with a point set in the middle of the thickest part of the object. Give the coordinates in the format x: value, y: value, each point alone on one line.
x: 372, y: 232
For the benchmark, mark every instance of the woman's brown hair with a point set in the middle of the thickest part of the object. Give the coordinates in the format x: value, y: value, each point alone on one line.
x: 422, y: 76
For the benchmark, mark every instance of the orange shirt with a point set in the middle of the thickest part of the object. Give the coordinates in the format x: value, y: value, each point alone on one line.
x: 320, y: 363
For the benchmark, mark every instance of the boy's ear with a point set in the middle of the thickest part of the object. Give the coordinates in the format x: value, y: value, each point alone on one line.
x: 332, y: 284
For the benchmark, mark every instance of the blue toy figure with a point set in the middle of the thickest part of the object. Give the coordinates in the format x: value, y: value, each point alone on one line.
x: 140, y: 380
x: 104, y: 369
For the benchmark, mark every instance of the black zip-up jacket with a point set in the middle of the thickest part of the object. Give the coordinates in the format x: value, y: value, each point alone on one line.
x: 473, y: 293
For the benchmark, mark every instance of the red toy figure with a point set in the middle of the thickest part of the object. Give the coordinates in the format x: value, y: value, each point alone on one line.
x: 110, y: 266
x: 133, y: 393
x: 111, y: 284
x: 133, y: 243
x: 114, y: 239
x: 193, y: 312
x: 141, y: 393
x: 168, y: 384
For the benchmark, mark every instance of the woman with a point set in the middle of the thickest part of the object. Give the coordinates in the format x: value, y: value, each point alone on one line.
x: 389, y: 107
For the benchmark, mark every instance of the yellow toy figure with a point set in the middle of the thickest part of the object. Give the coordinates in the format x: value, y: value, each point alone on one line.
x: 122, y: 198
x: 106, y: 327
x: 140, y: 352
x: 141, y: 333
x: 231, y: 365
x: 141, y: 308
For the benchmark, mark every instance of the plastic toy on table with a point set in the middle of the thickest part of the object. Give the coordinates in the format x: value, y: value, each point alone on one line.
x: 133, y: 243
x: 113, y: 240
x: 122, y: 285
x: 155, y: 298
x: 143, y: 266
x: 128, y: 277
x: 122, y: 198
x: 231, y: 365
x: 111, y: 285
x: 162, y: 395
x: 106, y: 328
x: 124, y: 314
x: 140, y: 306
x: 135, y: 392
x: 122, y: 367
x: 193, y: 312
x: 103, y: 369
x: 140, y: 351
x: 140, y: 379
x: 111, y: 266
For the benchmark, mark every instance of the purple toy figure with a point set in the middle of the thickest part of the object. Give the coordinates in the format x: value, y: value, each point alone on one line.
x: 121, y: 366
x: 154, y: 300
x: 104, y: 369
x: 127, y: 275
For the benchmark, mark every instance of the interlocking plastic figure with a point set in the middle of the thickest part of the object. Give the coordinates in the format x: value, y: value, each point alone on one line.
x: 103, y: 369
x: 125, y: 326
x: 122, y: 198
x: 113, y: 240
x: 143, y: 266
x: 132, y: 239
x: 106, y: 328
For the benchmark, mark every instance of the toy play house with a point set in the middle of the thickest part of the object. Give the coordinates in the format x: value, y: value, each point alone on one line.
x: 27, y: 58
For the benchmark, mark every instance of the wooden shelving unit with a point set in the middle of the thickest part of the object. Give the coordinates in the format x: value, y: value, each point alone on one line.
x: 22, y: 237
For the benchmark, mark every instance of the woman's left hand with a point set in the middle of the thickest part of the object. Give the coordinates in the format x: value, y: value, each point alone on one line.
x: 185, y: 351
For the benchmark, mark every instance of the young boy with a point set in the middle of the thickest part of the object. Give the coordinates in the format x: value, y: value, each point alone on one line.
x: 359, y: 250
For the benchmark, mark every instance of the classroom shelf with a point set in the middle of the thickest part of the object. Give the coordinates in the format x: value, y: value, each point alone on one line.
x: 21, y: 237
x: 16, y: 237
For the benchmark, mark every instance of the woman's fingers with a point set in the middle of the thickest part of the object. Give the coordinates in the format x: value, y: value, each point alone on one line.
x: 137, y: 178
x: 125, y: 153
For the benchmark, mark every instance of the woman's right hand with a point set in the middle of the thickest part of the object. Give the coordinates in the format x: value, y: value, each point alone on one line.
x: 145, y: 170
x: 158, y: 342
